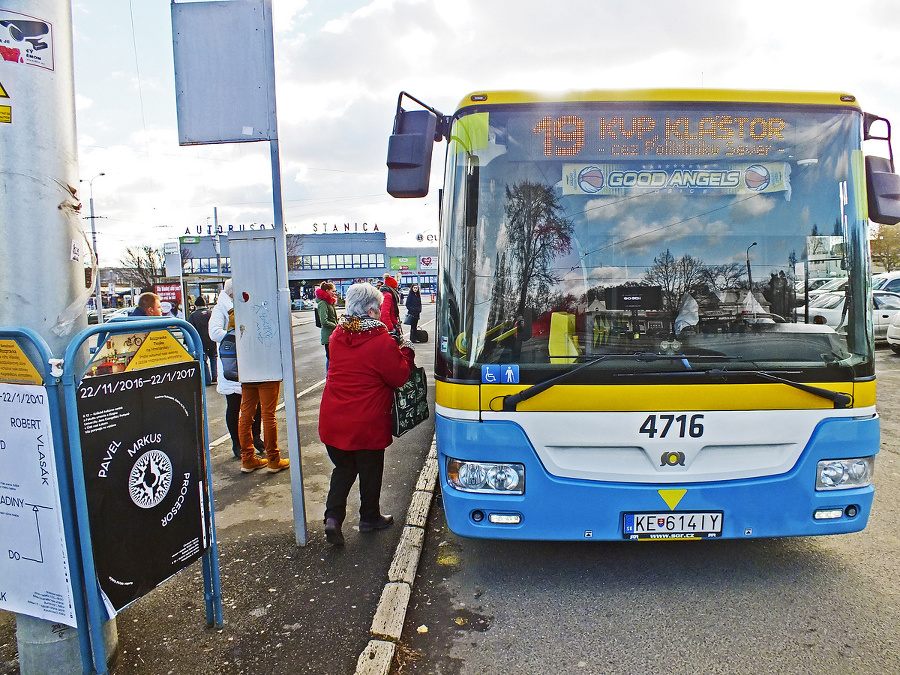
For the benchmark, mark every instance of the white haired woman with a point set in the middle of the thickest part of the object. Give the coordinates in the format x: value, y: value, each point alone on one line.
x: 366, y: 365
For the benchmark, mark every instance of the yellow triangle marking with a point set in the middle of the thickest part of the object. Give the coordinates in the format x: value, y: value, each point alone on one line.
x: 3, y: 93
x: 15, y: 367
x: 159, y: 348
x: 672, y: 497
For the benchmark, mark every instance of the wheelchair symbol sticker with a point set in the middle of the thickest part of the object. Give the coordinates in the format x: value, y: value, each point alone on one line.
x: 502, y: 374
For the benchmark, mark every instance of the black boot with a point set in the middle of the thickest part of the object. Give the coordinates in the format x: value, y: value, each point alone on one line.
x: 333, y: 534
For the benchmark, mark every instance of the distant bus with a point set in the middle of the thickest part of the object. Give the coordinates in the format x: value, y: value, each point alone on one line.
x: 622, y: 347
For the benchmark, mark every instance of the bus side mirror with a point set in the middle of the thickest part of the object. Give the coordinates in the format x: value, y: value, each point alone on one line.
x: 409, y: 153
x: 883, y: 190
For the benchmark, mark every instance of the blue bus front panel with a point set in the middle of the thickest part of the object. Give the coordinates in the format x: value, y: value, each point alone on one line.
x: 554, y: 508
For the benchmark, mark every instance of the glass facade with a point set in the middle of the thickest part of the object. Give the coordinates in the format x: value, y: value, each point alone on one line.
x: 336, y: 261
x: 205, y: 265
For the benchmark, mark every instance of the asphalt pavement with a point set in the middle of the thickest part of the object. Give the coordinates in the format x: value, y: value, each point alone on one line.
x: 287, y: 608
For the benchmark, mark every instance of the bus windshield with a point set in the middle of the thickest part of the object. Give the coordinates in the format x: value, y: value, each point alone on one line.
x: 655, y: 239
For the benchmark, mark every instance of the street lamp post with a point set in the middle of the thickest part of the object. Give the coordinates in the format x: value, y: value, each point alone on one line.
x: 749, y: 275
x: 98, y: 298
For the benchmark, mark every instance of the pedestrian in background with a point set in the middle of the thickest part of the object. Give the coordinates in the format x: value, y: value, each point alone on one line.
x: 148, y: 305
x: 414, y: 307
x: 199, y: 319
x: 367, y: 364
x: 221, y: 320
x: 262, y: 396
x: 390, y: 308
x: 326, y: 301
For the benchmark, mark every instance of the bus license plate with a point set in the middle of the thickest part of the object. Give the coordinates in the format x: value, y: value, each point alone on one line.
x: 694, y: 525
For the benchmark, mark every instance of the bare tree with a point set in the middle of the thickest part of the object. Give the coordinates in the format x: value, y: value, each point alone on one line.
x: 142, y: 265
x: 724, y: 277
x: 538, y: 233
x: 294, y: 249
x: 675, y: 277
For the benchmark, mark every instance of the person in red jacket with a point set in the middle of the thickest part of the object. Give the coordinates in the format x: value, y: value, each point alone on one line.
x: 366, y: 365
x: 390, y: 309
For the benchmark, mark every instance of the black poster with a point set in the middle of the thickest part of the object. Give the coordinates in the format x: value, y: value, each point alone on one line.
x: 145, y: 476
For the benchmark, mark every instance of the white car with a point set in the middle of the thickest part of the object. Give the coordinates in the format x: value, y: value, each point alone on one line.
x: 811, y: 285
x: 893, y: 334
x: 828, y: 309
x: 886, y: 281
x: 831, y: 286
x: 825, y: 309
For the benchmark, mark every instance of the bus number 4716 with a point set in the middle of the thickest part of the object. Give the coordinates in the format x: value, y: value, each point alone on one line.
x: 662, y: 425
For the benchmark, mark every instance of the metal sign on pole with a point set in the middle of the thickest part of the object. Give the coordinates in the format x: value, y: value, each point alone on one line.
x: 227, y: 95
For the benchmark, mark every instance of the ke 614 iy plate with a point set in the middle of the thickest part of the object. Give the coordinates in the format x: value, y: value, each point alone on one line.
x: 673, y: 525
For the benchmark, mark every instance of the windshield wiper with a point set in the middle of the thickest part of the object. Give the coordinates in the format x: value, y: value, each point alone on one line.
x: 510, y: 402
x: 840, y: 400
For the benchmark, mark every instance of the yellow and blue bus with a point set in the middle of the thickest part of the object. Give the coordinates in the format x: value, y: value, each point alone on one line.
x: 624, y: 348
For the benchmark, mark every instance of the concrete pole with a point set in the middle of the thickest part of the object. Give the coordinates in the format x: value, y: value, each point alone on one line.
x: 42, y: 242
x: 98, y: 293
x: 218, y: 246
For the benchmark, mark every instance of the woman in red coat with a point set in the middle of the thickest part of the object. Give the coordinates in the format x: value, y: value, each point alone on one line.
x: 365, y: 367
x: 390, y: 310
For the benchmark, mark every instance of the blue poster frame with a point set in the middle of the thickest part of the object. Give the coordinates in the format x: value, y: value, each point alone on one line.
x: 51, y: 382
x: 71, y: 378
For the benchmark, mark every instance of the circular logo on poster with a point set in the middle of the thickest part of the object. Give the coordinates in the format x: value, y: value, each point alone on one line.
x: 590, y: 179
x: 757, y: 177
x: 150, y: 479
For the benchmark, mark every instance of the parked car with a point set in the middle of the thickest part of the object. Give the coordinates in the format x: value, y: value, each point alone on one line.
x: 108, y: 314
x: 831, y: 286
x: 893, y: 334
x: 118, y: 313
x: 828, y: 309
x: 886, y: 281
x: 811, y: 284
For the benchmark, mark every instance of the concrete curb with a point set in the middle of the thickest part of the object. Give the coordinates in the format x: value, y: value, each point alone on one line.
x: 387, y: 624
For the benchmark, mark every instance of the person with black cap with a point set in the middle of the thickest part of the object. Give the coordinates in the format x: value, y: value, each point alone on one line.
x: 199, y: 319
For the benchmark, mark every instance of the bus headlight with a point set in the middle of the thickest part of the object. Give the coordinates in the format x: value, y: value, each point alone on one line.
x: 842, y: 474
x: 492, y: 477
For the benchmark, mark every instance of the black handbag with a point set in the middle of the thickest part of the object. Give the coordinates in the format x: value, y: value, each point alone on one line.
x: 410, y: 403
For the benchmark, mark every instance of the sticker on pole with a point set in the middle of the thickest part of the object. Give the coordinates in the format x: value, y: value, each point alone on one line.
x: 15, y: 367
x: 26, y: 40
x: 34, y: 567
x: 145, y: 476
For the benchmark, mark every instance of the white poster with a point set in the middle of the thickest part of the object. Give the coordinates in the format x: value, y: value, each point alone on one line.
x: 34, y: 569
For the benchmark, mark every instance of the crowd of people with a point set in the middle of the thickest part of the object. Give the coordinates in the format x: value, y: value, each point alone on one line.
x: 367, y: 356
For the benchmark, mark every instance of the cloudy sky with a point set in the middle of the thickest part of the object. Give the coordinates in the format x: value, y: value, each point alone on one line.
x: 340, y: 65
